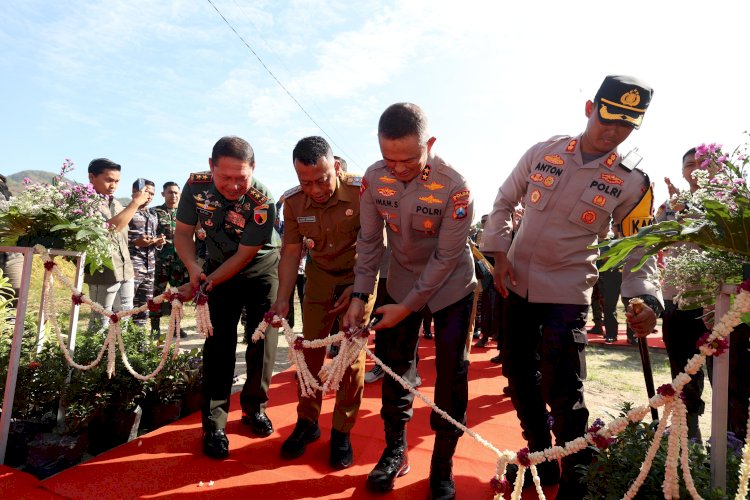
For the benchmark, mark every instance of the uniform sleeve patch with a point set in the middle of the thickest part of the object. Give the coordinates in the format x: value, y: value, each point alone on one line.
x: 464, y: 193
x: 460, y: 209
x: 260, y: 215
x: 363, y: 187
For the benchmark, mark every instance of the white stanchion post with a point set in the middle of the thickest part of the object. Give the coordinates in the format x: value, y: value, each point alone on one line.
x: 15, y: 348
x: 719, y: 400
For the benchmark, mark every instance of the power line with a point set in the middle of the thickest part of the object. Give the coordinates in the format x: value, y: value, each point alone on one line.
x: 268, y: 70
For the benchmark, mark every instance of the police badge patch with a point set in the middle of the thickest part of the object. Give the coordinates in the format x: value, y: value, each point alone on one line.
x: 460, y: 209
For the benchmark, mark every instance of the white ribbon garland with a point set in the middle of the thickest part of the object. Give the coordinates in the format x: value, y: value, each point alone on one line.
x: 114, y: 333
x: 677, y: 452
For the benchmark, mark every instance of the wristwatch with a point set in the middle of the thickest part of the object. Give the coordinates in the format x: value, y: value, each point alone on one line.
x: 364, y: 297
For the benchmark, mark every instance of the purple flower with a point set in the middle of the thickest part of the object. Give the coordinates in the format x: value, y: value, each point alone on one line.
x: 26, y: 180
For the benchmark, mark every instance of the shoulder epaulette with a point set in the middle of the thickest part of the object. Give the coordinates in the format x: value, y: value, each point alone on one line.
x: 200, y: 178
x: 631, y: 160
x: 352, y: 179
x: 257, y: 196
x: 290, y: 192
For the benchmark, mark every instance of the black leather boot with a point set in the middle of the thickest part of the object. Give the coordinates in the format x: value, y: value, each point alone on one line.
x: 393, y: 463
x: 341, y: 450
x: 442, y: 486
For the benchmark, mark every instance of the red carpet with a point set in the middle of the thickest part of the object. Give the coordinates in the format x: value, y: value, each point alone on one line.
x: 168, y: 463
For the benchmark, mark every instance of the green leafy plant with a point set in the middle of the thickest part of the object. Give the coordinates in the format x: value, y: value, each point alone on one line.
x: 716, y: 219
x: 40, y: 376
x: 615, y: 468
x: 60, y: 215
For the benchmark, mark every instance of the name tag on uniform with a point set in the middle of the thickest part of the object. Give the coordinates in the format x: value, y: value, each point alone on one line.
x: 307, y: 218
x: 235, y: 218
x: 203, y: 212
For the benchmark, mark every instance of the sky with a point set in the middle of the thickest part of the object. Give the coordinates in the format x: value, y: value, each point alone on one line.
x: 153, y: 85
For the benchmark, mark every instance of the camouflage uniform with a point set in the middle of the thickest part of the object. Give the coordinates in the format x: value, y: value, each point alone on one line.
x: 143, y: 259
x: 169, y: 268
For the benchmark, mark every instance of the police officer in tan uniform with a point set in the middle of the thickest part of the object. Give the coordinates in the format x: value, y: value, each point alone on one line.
x: 427, y: 210
x: 237, y: 213
x: 322, y: 214
x: 571, y: 187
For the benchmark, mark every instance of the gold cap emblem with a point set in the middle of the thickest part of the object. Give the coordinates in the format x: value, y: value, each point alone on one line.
x: 631, y: 98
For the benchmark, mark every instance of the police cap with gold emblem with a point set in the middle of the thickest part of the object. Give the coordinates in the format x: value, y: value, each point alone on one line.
x: 623, y: 98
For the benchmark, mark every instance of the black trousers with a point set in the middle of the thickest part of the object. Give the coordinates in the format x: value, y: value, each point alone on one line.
x: 399, y: 348
x: 681, y: 331
x: 226, y: 302
x: 609, y: 287
x: 545, y: 363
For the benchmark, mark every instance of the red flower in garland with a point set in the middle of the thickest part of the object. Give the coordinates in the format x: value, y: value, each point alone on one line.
x: 602, y: 442
x: 153, y: 306
x: 745, y: 285
x: 201, y: 299
x: 498, y: 486
x: 114, y: 318
x: 77, y: 299
x: 49, y: 264
x: 719, y: 345
x: 268, y: 317
x: 523, y: 457
x: 34, y: 365
x: 298, y: 344
x: 666, y: 390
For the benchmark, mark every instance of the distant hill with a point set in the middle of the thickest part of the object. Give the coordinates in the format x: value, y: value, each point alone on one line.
x: 15, y: 181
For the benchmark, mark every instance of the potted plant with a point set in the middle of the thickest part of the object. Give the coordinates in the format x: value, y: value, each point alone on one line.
x: 59, y: 215
x: 40, y: 377
x: 166, y: 391
x: 617, y: 463
x: 193, y: 377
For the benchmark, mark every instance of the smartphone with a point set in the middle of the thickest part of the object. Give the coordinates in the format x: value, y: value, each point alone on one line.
x: 140, y: 183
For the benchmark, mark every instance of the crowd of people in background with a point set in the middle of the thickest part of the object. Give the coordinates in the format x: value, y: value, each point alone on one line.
x: 397, y: 246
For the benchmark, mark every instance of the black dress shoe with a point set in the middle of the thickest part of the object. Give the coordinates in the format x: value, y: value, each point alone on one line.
x: 496, y: 359
x: 633, y: 341
x: 215, y: 444
x: 428, y: 335
x: 259, y: 423
x: 183, y: 334
x: 610, y: 341
x: 481, y: 343
x: 341, y: 450
x: 304, y: 433
x: 596, y: 330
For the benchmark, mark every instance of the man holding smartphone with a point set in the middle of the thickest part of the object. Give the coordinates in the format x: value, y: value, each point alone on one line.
x: 322, y: 214
x: 142, y: 244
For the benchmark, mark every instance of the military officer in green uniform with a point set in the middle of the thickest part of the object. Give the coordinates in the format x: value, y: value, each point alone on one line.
x: 169, y: 268
x: 322, y: 213
x: 237, y: 213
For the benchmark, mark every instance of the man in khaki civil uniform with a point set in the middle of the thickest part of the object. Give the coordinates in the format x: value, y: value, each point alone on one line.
x: 427, y: 210
x: 571, y: 187
x: 322, y: 213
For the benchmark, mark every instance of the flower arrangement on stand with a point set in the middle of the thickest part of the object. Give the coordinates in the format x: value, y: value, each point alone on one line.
x: 58, y: 215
